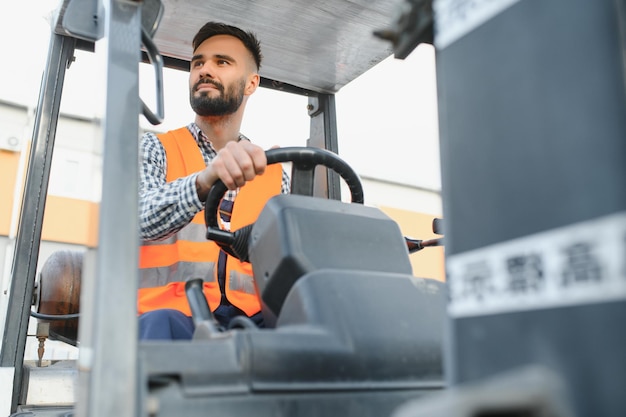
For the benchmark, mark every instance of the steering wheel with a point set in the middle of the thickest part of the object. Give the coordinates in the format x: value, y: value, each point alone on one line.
x: 304, y: 160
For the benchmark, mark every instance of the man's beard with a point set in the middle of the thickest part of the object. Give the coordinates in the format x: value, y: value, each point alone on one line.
x: 228, y: 101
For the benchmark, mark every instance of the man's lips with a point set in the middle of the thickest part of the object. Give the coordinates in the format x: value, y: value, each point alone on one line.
x: 207, y: 86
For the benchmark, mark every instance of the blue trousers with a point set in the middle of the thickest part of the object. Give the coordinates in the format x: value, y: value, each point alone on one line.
x: 167, y: 324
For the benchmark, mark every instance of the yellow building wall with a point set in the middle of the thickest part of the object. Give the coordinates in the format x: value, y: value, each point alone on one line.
x: 68, y: 220
x: 8, y: 174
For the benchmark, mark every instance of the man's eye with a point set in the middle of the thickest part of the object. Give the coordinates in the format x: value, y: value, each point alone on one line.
x: 197, y: 64
x: 222, y: 62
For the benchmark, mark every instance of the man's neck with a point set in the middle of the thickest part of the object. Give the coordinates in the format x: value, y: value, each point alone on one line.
x: 220, y: 129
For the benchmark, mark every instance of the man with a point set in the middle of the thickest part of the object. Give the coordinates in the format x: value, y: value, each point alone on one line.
x: 178, y: 170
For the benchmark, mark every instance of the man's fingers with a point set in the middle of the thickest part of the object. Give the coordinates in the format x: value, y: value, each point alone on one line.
x: 258, y: 158
x: 239, y: 162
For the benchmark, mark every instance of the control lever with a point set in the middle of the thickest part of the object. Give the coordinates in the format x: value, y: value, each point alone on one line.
x: 415, y: 245
x: 200, y: 310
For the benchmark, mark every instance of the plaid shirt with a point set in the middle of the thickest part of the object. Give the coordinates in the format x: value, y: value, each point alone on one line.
x: 165, y: 208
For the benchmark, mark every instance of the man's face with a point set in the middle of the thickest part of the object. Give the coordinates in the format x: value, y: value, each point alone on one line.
x: 219, y: 74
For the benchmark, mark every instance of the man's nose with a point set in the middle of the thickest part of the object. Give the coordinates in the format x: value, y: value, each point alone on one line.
x: 206, y: 71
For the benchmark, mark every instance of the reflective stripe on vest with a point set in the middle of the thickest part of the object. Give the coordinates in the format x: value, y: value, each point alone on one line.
x: 167, y: 264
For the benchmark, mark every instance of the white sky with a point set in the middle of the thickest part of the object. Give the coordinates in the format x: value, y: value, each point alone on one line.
x: 387, y: 118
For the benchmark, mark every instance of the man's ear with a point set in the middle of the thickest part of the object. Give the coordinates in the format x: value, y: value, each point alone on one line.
x: 253, y: 82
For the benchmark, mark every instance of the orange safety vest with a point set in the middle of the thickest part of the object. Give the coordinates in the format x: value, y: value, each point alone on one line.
x: 166, y: 265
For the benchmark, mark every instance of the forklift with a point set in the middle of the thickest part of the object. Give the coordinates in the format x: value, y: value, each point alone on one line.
x: 360, y: 337
x: 530, y: 321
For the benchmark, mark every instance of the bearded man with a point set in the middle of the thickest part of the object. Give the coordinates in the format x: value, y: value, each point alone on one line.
x: 178, y: 169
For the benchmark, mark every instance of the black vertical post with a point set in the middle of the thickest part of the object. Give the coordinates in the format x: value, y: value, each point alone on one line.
x: 324, y: 135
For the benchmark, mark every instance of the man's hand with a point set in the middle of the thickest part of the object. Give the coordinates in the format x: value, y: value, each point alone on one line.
x: 235, y: 163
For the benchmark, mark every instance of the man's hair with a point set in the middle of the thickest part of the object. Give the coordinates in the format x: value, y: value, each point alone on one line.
x: 248, y: 39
